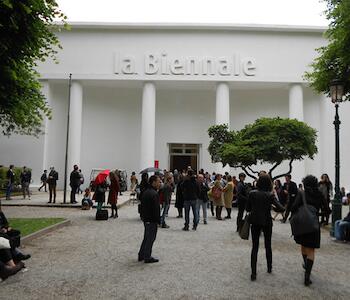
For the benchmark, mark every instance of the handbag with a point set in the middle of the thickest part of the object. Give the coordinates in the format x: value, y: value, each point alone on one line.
x: 216, y: 193
x: 245, y: 228
x: 305, y: 220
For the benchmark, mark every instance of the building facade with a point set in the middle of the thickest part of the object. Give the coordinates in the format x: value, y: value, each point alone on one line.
x: 142, y: 93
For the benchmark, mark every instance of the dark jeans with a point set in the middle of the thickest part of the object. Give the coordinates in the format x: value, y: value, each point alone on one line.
x: 191, y: 204
x: 288, y: 208
x: 52, y: 190
x: 256, y: 230
x: 241, y: 209
x: 73, y: 192
x: 9, y: 190
x: 43, y: 185
x: 148, y: 240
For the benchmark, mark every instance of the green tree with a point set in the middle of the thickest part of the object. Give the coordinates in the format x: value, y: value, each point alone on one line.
x: 334, y: 59
x: 267, y: 140
x: 26, y: 37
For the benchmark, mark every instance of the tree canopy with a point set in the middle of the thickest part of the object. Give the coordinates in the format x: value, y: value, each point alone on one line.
x: 267, y: 140
x: 26, y: 37
x: 334, y: 59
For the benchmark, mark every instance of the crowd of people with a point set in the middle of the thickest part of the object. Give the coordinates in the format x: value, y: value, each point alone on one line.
x: 201, y: 191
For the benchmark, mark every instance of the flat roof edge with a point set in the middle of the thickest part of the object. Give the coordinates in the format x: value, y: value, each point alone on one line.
x: 197, y: 26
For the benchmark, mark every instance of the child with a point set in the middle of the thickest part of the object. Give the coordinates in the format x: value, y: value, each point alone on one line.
x: 86, y: 203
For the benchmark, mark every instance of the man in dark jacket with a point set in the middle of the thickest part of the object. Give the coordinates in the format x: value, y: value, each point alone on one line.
x: 150, y: 212
x: 190, y: 190
x: 75, y: 181
x: 52, y: 181
x: 290, y: 189
x: 242, y: 197
x: 26, y: 177
x: 202, y: 197
x: 10, y: 176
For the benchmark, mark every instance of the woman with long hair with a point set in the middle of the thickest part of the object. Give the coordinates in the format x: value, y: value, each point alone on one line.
x: 310, y: 241
x: 326, y: 188
x: 113, y: 193
x: 259, y: 205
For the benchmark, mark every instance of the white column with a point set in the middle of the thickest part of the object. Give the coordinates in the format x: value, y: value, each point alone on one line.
x: 75, y: 124
x: 148, y: 125
x: 222, y: 114
x: 47, y: 93
x: 296, y: 111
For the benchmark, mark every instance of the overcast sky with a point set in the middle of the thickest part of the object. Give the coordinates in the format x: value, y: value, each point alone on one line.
x: 286, y: 12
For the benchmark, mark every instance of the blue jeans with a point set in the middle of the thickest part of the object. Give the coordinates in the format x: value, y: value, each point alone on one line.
x: 9, y: 190
x: 339, y: 229
x: 187, y: 205
x: 165, y: 212
x: 203, y: 205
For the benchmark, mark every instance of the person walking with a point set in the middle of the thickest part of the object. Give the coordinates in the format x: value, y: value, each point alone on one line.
x: 242, y: 197
x: 228, y: 195
x: 290, y: 190
x: 179, y: 199
x: 26, y: 177
x: 202, y: 198
x: 74, y: 182
x: 113, y: 194
x: 326, y: 188
x: 190, y: 191
x: 217, y: 196
x: 10, y: 176
x: 52, y: 182
x: 167, y: 191
x: 43, y: 180
x: 259, y: 204
x: 150, y: 211
x: 310, y: 241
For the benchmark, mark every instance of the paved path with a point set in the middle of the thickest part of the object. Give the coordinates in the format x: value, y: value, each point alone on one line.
x: 97, y: 260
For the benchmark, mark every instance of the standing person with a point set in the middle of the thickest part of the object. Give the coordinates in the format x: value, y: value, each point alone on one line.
x: 74, y: 182
x: 141, y: 189
x: 113, y: 194
x: 176, y: 177
x: 10, y: 176
x: 242, y: 197
x: 150, y: 211
x: 167, y: 191
x: 202, y: 198
x: 179, y: 199
x: 190, y: 191
x: 216, y: 194
x: 26, y: 177
x: 259, y: 205
x: 43, y: 180
x: 290, y: 190
x: 133, y: 181
x: 121, y: 181
x: 280, y: 196
x: 228, y: 195
x: 52, y: 182
x: 100, y: 194
x: 326, y: 188
x: 81, y: 182
x: 311, y: 241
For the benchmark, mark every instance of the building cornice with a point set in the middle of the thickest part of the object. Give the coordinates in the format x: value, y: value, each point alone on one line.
x: 197, y: 27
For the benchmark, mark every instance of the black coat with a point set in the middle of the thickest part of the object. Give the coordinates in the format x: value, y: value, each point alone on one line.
x: 242, y: 194
x: 292, y: 190
x: 203, y: 192
x: 53, y: 177
x: 150, y: 208
x: 75, y: 178
x: 3, y: 221
x: 259, y: 205
x: 179, y: 202
x: 190, y: 189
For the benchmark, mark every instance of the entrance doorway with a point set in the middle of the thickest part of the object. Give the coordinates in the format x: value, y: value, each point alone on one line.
x: 183, y: 155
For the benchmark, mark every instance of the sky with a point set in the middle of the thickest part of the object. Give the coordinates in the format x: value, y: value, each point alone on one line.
x: 278, y: 12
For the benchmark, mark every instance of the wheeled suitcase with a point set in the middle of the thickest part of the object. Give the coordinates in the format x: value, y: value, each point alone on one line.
x: 102, y: 215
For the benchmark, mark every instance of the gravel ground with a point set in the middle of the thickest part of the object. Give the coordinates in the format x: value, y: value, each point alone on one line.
x: 91, y: 260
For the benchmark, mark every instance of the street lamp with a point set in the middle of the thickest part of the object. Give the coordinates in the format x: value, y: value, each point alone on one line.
x: 337, y: 92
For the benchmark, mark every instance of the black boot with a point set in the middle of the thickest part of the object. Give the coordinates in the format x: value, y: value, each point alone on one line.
x: 309, y: 264
x: 116, y: 212
x: 6, y: 271
x: 304, y: 259
x: 112, y: 215
x: 228, y: 210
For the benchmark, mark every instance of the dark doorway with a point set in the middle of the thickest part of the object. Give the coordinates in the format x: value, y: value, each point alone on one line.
x: 182, y: 156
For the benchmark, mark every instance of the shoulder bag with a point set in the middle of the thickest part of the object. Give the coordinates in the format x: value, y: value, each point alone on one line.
x: 305, y: 220
x: 245, y: 228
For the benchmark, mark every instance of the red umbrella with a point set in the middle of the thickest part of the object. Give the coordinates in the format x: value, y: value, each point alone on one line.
x: 101, y: 177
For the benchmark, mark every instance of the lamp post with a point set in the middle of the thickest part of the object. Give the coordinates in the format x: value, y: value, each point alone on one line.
x: 337, y: 92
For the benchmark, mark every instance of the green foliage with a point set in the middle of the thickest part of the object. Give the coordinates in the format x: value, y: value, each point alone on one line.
x: 26, y: 37
x: 334, y: 60
x: 267, y: 140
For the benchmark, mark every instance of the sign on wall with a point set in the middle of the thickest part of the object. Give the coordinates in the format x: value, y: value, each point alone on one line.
x: 163, y: 64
